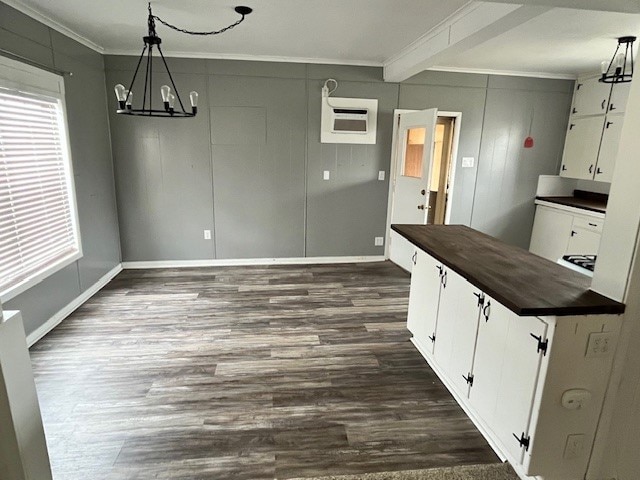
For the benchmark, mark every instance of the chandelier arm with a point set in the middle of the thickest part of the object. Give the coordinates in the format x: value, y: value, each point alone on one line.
x: 146, y: 78
x: 190, y: 32
x: 137, y: 68
x: 150, y: 79
x: 175, y: 89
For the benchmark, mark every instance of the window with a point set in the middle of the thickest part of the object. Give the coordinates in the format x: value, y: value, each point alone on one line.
x: 38, y: 224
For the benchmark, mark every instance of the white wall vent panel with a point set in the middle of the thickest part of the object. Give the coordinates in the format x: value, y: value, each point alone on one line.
x: 349, y: 120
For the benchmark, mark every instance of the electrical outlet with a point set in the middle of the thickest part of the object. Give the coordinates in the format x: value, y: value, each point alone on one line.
x: 207, y: 234
x: 326, y: 175
x: 574, y: 446
x: 381, y: 175
x: 378, y: 241
x: 600, y: 344
x: 467, y: 162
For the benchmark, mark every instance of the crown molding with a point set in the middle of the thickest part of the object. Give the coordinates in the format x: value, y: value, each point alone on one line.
x: 510, y: 73
x: 51, y: 23
x: 254, y: 58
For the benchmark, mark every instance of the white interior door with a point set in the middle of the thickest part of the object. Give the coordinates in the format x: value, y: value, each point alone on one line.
x: 413, y: 153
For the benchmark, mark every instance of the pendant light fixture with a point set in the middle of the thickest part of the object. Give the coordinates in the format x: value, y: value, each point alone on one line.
x: 620, y: 68
x: 168, y: 95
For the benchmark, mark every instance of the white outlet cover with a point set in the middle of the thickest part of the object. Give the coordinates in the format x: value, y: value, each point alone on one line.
x: 378, y: 241
x: 600, y: 344
x: 207, y: 234
x: 326, y: 175
x: 381, y: 175
x: 467, y: 162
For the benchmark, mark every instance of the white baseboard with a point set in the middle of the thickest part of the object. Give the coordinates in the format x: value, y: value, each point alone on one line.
x: 251, y: 261
x: 54, y: 321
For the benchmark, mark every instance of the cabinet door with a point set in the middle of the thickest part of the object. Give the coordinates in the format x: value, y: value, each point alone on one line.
x: 551, y: 231
x: 518, y: 383
x: 489, y: 359
x: 423, y: 299
x: 583, y: 242
x: 581, y: 147
x: 457, y: 328
x: 591, y: 97
x: 619, y: 95
x: 609, y: 148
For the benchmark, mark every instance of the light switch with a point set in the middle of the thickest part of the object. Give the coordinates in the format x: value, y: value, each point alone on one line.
x: 467, y: 162
x: 207, y: 234
x: 326, y: 175
x: 381, y: 175
x: 378, y: 241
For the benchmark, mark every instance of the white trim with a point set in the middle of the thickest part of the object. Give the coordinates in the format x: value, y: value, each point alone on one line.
x: 50, y: 22
x: 510, y: 73
x: 253, y: 58
x: 57, y: 318
x: 251, y: 261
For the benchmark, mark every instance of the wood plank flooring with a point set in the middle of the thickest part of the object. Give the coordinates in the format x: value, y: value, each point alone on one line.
x: 246, y: 373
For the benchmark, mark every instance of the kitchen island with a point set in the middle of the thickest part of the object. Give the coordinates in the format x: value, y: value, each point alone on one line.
x: 522, y: 343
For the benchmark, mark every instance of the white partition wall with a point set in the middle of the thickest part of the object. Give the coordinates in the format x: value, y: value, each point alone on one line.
x: 23, y: 449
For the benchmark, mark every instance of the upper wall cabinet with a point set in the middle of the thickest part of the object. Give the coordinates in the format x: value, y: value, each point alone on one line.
x: 594, y: 130
x: 591, y: 97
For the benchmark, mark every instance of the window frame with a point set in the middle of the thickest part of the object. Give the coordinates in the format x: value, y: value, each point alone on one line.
x: 26, y: 79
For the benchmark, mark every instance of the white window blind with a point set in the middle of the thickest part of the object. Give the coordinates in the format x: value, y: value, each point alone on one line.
x: 37, y: 218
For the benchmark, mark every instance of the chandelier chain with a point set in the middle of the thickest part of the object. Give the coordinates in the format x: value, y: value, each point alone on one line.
x: 190, y: 32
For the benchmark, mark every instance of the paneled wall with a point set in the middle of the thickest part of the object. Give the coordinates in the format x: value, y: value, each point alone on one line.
x: 92, y: 165
x: 255, y: 178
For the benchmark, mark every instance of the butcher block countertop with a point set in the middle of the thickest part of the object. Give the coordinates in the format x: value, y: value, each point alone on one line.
x: 525, y: 283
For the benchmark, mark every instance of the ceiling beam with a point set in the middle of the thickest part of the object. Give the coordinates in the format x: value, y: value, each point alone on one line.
x: 472, y: 25
x: 620, y: 6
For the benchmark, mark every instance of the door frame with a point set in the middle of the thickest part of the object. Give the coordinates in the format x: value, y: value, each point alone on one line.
x: 394, y: 164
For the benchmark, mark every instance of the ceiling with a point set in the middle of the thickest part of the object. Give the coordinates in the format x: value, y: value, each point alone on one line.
x: 560, y: 42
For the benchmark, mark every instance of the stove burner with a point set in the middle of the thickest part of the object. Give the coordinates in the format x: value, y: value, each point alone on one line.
x: 584, y: 261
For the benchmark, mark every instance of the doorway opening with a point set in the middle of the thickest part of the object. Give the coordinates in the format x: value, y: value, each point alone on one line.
x: 440, y: 170
x: 422, y: 174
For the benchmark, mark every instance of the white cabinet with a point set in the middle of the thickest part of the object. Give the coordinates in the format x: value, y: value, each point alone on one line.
x: 551, y: 233
x: 609, y: 147
x: 619, y: 96
x: 581, y: 147
x: 593, y: 134
x: 456, y: 333
x: 558, y: 231
x: 423, y: 299
x: 508, y: 354
x: 590, y: 97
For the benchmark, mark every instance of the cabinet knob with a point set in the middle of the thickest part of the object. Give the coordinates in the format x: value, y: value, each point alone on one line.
x: 443, y: 279
x: 598, y: 171
x: 603, y: 104
x: 571, y: 126
x: 590, y: 168
x: 608, y: 124
x: 612, y: 107
x: 573, y: 233
x: 574, y: 110
x: 564, y: 167
x: 486, y: 311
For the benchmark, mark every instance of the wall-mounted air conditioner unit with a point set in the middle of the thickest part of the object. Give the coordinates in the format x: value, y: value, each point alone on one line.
x: 349, y: 120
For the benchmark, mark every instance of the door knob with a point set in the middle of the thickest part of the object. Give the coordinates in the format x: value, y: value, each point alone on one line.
x: 423, y: 192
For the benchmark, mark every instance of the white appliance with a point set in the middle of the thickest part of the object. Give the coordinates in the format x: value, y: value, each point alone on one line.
x: 583, y: 264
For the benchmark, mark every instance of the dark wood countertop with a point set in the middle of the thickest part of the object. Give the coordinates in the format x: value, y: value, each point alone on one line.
x: 595, y: 202
x: 525, y: 283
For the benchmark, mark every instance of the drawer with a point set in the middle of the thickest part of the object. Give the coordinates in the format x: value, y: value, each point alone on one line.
x: 587, y: 223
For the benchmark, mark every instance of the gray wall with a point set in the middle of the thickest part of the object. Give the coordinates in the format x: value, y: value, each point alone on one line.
x: 91, y: 153
x: 249, y: 166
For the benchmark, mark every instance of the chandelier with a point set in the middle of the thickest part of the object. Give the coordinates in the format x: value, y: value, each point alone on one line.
x: 615, y: 70
x: 169, y: 96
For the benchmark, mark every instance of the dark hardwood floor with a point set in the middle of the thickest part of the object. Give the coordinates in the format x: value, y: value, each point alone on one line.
x: 246, y: 373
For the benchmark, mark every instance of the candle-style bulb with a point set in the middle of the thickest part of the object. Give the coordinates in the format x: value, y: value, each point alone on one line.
x: 604, y: 67
x: 193, y: 96
x: 120, y: 95
x: 165, y: 91
x: 620, y: 58
x: 129, y: 97
x: 171, y: 100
